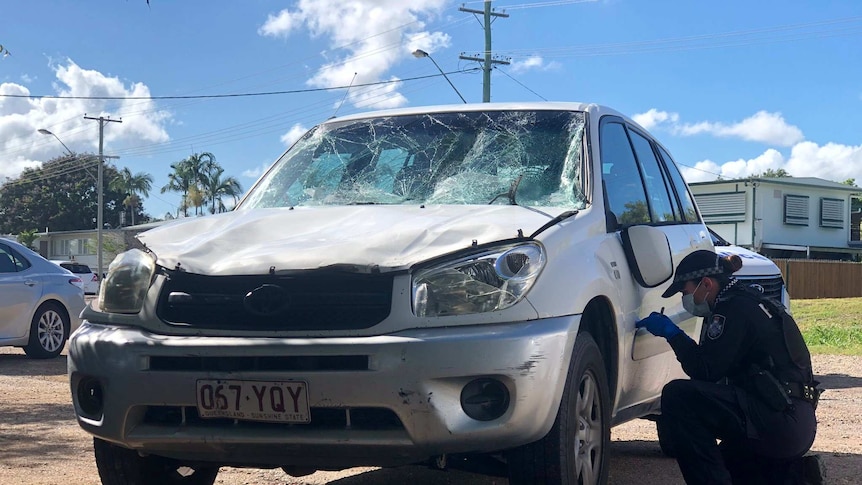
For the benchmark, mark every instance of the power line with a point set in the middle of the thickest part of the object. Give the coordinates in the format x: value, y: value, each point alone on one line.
x: 519, y: 82
x: 235, y: 95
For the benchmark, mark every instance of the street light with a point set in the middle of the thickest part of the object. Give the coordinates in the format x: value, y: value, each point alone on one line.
x: 47, y: 132
x: 419, y: 53
x: 99, y: 191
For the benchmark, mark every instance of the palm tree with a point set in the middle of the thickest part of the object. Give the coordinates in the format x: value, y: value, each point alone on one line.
x: 132, y: 185
x: 187, y: 173
x: 216, y: 187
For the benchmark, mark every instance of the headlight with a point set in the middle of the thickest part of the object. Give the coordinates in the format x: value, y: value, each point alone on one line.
x: 485, y: 282
x: 125, y: 287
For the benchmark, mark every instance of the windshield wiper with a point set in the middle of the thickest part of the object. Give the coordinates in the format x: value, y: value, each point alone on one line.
x: 554, y: 221
x: 513, y: 189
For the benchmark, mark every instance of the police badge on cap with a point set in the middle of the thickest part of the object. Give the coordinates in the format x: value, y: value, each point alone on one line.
x: 715, y: 327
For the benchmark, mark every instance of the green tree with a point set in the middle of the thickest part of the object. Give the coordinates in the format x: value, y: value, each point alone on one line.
x: 187, y: 173
x: 850, y: 182
x: 132, y: 185
x: 58, y: 196
x: 27, y: 237
x: 216, y: 187
x: 769, y: 173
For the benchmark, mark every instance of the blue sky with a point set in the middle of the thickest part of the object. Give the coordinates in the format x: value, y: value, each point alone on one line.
x: 732, y: 88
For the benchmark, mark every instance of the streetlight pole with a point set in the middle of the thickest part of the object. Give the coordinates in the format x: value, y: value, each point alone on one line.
x: 99, y: 182
x: 419, y: 53
x: 48, y: 132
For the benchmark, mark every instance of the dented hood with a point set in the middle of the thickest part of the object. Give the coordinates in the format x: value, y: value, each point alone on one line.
x: 362, y: 238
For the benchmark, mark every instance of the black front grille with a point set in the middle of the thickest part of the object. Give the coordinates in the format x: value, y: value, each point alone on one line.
x: 309, y: 301
x: 360, y: 418
x: 772, y: 286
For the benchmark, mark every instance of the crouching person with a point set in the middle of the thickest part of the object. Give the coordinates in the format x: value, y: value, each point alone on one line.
x: 751, y: 387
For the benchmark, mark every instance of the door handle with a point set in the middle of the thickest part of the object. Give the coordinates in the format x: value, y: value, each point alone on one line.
x: 30, y: 283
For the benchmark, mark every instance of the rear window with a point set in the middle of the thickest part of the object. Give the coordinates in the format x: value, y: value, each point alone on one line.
x: 76, y: 268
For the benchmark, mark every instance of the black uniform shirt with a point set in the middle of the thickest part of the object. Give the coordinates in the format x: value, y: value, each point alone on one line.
x: 739, y: 333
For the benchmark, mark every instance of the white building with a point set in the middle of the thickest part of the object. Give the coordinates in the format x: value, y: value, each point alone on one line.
x: 785, y: 217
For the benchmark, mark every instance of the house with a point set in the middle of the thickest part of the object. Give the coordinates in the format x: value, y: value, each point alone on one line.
x: 784, y: 217
x: 80, y: 246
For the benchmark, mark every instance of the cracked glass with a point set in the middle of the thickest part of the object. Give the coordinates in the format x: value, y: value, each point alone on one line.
x: 530, y: 158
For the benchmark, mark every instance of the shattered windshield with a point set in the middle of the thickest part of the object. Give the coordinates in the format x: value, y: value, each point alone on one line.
x: 530, y: 158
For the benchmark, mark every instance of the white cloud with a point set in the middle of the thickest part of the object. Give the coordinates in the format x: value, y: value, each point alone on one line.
x: 702, y: 171
x: 27, y: 79
x: 293, y: 134
x: 22, y: 146
x: 654, y: 117
x: 366, y: 41
x: 281, y: 24
x: 831, y: 161
x: 534, y: 63
x: 763, y: 127
x: 256, y: 172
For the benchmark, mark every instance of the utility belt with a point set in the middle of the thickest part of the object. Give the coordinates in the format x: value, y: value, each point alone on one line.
x: 806, y: 392
x: 775, y: 394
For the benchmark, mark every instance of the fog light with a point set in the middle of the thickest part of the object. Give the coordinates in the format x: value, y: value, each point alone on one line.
x: 90, y: 398
x: 485, y: 399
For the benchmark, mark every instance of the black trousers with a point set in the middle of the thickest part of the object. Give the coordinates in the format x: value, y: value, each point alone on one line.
x: 758, y: 445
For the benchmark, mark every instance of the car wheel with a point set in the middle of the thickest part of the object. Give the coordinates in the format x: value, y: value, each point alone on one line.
x: 575, y: 449
x: 122, y: 466
x: 49, y: 330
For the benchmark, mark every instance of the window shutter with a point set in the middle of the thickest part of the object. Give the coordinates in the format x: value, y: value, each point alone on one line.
x: 832, y: 213
x: 796, y: 210
x: 722, y: 207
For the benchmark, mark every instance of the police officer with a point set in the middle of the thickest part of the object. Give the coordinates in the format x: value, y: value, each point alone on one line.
x: 751, y: 383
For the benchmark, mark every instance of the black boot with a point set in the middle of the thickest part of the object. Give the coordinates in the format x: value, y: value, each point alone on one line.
x: 813, y: 470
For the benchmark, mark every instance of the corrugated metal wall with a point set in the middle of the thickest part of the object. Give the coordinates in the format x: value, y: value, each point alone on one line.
x: 808, y: 279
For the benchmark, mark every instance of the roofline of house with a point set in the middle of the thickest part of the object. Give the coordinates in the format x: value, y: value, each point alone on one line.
x: 782, y: 181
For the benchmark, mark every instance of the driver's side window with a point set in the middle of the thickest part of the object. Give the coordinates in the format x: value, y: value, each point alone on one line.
x: 624, y: 188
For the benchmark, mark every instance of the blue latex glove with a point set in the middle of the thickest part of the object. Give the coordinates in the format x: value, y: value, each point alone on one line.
x: 659, y: 325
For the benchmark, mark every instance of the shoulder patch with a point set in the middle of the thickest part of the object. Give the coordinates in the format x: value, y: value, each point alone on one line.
x: 715, y: 327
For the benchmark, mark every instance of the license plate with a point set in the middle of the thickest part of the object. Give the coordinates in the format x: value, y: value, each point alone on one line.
x: 283, y: 402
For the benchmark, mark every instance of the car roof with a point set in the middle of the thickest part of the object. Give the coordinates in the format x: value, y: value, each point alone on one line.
x: 511, y: 106
x: 66, y: 261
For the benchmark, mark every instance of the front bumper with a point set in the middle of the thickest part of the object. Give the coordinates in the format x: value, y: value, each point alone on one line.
x: 415, y: 376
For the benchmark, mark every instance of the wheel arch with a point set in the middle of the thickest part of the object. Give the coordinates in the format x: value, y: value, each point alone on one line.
x: 598, y: 320
x: 57, y: 303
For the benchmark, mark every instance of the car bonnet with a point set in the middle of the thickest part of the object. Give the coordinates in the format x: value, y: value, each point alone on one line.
x: 359, y: 238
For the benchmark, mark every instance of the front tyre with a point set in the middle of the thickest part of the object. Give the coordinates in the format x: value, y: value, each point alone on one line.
x: 49, y: 330
x: 575, y: 449
x: 122, y: 466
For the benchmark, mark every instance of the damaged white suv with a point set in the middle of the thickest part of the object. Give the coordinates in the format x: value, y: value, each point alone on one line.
x: 399, y: 286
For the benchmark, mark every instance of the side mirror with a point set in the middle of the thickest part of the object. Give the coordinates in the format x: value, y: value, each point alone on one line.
x: 648, y: 253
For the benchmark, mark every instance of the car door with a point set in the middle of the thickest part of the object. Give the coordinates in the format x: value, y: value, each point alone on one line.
x: 639, y: 190
x: 19, y: 294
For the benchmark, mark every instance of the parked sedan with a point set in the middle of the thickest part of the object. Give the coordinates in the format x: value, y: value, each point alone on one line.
x: 90, y: 279
x: 40, y: 302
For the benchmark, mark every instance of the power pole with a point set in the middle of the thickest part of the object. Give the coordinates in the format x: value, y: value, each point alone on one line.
x: 100, y: 209
x: 486, y: 60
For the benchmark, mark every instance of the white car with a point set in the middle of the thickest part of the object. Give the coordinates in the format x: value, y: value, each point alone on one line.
x: 400, y: 286
x: 40, y: 302
x: 90, y: 279
x: 757, y: 270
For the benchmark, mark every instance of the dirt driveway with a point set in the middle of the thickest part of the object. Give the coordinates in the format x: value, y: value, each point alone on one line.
x: 40, y: 442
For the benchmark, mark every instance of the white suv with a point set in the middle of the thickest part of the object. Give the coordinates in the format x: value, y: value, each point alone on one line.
x: 400, y: 286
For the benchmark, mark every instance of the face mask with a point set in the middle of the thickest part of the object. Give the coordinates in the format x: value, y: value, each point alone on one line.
x: 696, y: 309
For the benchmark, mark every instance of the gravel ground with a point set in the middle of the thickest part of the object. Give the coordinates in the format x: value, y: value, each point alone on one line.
x: 40, y: 442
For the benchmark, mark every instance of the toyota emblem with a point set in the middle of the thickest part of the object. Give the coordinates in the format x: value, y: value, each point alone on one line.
x: 266, y: 300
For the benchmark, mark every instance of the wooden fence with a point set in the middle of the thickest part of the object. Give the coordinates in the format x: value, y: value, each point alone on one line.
x: 807, y: 279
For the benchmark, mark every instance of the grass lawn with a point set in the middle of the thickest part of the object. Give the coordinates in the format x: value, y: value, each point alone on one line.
x: 830, y: 325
